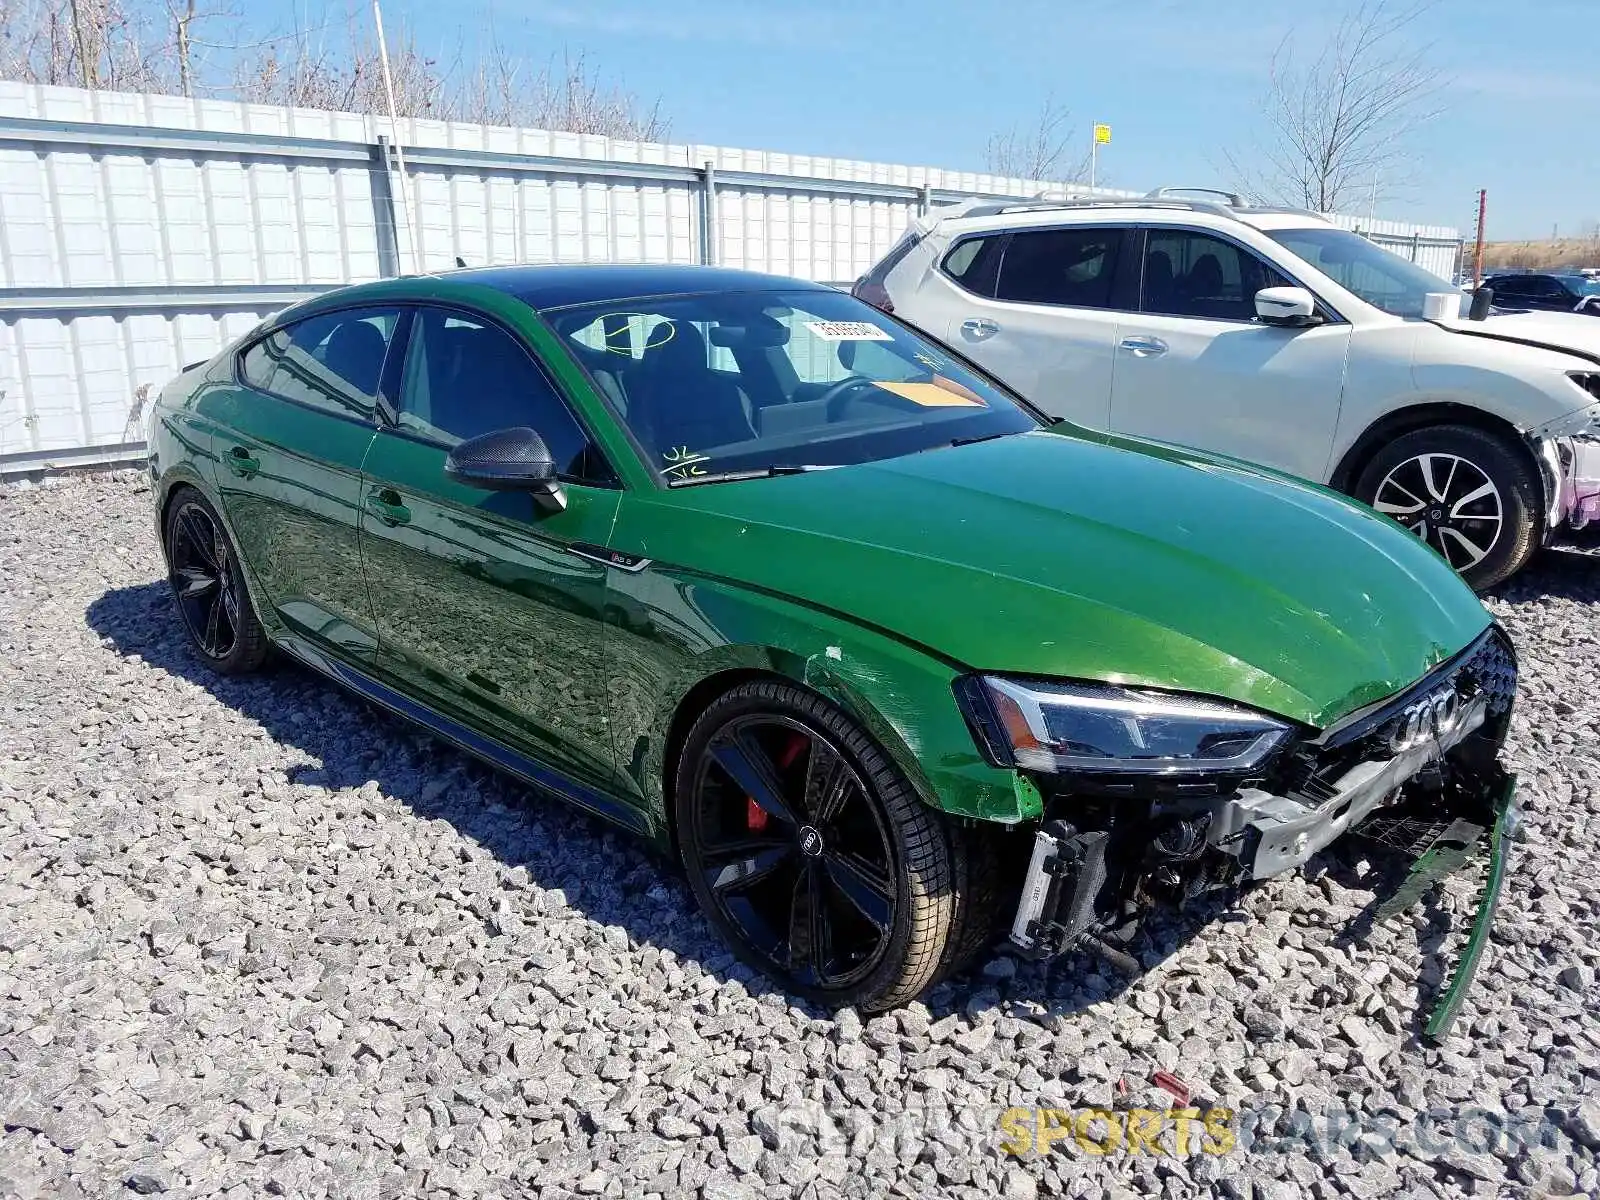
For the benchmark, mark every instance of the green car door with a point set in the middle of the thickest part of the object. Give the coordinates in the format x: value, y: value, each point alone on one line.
x: 289, y: 439
x: 487, y: 607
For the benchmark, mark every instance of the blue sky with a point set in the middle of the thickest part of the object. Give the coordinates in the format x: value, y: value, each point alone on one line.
x: 1178, y: 80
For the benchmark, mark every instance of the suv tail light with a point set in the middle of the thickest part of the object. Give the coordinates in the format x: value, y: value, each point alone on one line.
x: 873, y: 292
x: 871, y: 286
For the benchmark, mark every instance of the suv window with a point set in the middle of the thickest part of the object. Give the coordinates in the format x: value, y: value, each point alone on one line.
x: 975, y: 262
x: 1060, y: 266
x: 331, y: 361
x: 1510, y: 286
x: 1189, y: 274
x: 465, y: 377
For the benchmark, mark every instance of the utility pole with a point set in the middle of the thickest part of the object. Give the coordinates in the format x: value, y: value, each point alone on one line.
x: 1477, y: 257
x: 399, y: 154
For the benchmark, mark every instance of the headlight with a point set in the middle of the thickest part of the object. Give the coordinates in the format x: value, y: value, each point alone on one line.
x: 1066, y: 727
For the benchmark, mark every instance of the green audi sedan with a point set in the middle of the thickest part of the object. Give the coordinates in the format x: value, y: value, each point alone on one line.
x: 894, y: 664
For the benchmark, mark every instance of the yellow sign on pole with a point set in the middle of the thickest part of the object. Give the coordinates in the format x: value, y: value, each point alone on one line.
x: 1102, y: 135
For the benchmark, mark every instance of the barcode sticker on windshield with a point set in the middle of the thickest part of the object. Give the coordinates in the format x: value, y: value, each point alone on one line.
x: 848, y: 331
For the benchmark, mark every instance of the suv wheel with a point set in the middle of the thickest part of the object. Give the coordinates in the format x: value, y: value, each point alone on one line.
x: 809, y: 852
x: 1468, y: 493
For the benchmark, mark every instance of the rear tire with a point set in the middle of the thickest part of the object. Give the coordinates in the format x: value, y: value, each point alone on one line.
x: 208, y: 586
x: 810, y: 853
x: 1470, y: 494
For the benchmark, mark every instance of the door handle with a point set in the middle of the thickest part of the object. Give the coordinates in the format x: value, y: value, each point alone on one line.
x: 241, y: 462
x: 384, y: 503
x: 1144, y: 347
x: 979, y: 328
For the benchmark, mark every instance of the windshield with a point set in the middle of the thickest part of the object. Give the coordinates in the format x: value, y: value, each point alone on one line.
x: 1382, y: 279
x: 756, y: 381
x: 1582, y: 285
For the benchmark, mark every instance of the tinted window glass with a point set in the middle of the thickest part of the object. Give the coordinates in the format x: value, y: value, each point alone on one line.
x: 332, y: 361
x: 749, y: 380
x: 465, y: 377
x: 1195, y: 275
x: 1060, y: 266
x: 1510, y: 286
x: 974, y: 263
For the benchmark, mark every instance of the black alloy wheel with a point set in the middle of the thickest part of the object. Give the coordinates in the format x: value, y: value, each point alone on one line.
x: 203, y: 571
x: 808, y: 851
x: 795, y: 856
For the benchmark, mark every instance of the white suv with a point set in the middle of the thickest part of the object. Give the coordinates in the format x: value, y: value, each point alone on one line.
x: 1274, y: 336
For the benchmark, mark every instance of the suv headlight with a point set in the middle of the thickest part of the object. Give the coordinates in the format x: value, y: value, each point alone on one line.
x: 1044, y: 725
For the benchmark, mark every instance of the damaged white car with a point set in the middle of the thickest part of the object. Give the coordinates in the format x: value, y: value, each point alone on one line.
x: 1274, y: 336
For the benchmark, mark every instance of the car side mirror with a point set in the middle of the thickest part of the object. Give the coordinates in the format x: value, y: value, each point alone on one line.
x: 1293, y: 307
x: 509, y: 460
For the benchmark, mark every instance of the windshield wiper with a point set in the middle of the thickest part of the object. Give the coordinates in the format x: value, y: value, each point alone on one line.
x: 982, y: 437
x: 735, y: 476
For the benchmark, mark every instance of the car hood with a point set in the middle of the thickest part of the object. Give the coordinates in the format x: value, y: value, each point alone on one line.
x: 1568, y: 333
x: 1090, y: 557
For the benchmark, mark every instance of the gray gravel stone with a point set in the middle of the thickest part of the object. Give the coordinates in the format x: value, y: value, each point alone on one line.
x: 258, y: 938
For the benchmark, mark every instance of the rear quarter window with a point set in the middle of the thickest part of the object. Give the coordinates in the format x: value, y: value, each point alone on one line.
x: 974, y: 263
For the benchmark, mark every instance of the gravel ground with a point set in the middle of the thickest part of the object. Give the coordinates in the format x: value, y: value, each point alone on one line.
x: 256, y: 937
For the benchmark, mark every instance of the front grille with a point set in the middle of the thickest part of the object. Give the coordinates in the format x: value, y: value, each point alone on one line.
x: 1487, y: 668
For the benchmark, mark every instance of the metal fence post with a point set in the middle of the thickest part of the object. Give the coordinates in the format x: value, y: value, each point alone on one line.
x: 924, y: 200
x: 708, y: 215
x: 383, y: 211
x: 1416, y: 240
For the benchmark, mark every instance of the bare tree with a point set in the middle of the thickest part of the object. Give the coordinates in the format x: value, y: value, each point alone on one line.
x: 159, y: 46
x: 500, y: 89
x: 1339, y: 119
x: 1041, y: 151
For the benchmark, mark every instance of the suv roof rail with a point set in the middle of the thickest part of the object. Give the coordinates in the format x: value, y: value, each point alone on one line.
x: 1231, y: 199
x: 1229, y: 206
x: 1017, y: 206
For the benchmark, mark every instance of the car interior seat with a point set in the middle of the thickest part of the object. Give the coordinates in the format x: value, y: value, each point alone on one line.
x: 676, y: 401
x: 1158, y: 281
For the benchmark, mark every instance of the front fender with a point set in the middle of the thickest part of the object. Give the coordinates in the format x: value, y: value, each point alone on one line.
x: 676, y: 636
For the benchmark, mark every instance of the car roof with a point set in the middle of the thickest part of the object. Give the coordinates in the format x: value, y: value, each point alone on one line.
x: 562, y: 285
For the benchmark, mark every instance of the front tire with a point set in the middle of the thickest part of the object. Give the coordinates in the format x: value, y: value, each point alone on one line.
x: 208, y: 585
x: 809, y: 852
x: 1468, y: 493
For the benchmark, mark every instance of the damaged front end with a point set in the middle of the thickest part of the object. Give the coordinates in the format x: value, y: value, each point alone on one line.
x: 1568, y: 452
x: 1251, y: 798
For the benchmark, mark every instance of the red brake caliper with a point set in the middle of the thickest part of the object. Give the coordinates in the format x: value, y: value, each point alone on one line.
x: 755, y: 816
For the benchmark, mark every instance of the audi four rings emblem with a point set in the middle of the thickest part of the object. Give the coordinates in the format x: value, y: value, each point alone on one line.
x: 1426, y: 720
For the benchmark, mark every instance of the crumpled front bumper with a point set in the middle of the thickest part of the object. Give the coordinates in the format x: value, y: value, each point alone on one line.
x: 1569, y: 461
x: 1100, y: 864
x: 1269, y: 834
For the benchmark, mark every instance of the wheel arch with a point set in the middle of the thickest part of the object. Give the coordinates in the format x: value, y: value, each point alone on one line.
x: 1421, y: 416
x: 903, y: 702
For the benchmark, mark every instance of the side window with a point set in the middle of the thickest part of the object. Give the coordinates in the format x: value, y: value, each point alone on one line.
x: 464, y: 377
x: 331, y: 361
x: 975, y: 263
x: 1190, y: 274
x: 1060, y: 266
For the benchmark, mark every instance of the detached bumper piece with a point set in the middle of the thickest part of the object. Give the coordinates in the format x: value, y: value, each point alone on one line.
x: 1506, y: 818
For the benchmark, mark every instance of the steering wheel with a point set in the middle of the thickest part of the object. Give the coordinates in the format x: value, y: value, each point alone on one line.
x: 838, y: 395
